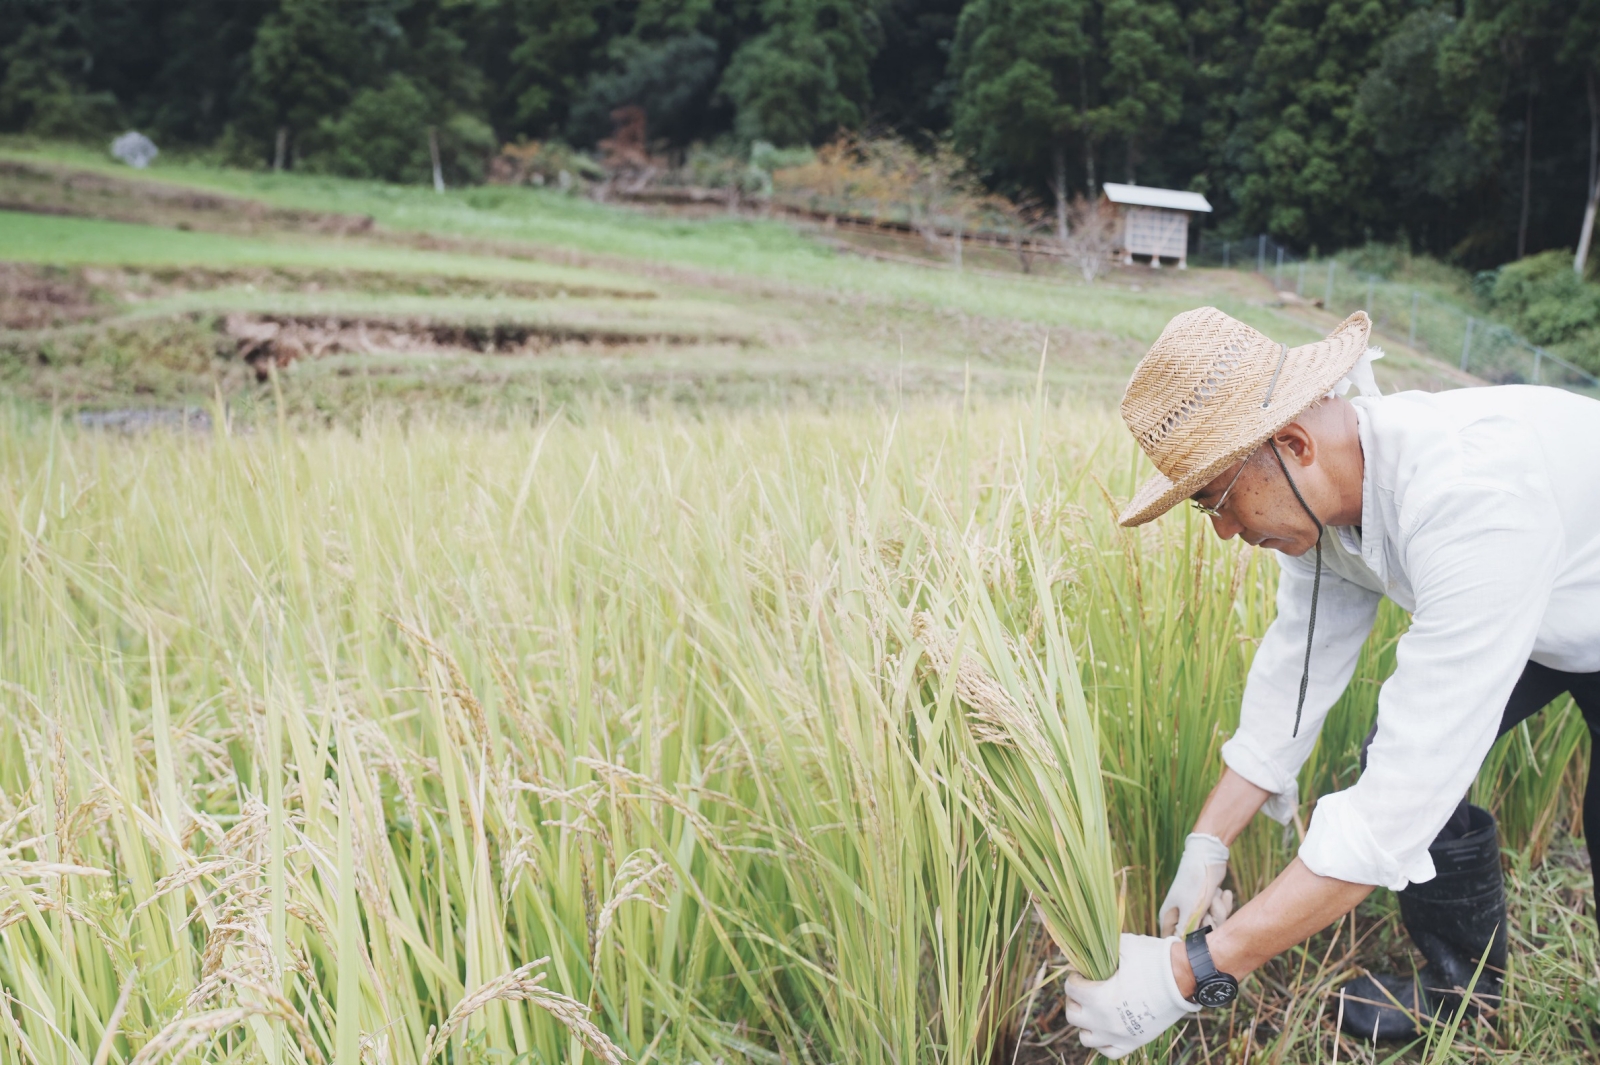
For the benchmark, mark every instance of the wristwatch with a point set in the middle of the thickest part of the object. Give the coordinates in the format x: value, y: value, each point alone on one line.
x: 1211, y: 988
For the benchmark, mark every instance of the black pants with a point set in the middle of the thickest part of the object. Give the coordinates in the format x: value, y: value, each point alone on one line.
x: 1536, y: 689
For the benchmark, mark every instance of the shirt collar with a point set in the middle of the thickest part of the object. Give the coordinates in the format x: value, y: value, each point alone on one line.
x: 1370, y: 548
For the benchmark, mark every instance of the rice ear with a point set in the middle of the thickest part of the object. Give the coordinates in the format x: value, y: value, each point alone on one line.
x: 994, y: 716
x: 1037, y: 777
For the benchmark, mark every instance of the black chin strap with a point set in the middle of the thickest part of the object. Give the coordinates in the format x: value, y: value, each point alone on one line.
x: 1316, y: 584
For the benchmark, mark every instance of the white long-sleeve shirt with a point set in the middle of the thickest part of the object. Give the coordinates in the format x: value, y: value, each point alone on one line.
x: 1480, y: 514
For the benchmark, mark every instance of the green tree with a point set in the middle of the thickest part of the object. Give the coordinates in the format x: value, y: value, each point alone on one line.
x: 1142, y: 73
x: 671, y: 79
x: 332, y: 82
x: 1303, y: 167
x: 806, y: 75
x: 377, y: 135
x: 1039, y: 78
x: 911, y: 90
x: 1504, y: 55
x: 182, y: 80
x: 45, y: 87
x: 1416, y: 128
x: 559, y: 44
x: 304, y: 65
x: 1549, y: 304
x: 384, y: 132
x: 1021, y: 69
x: 1582, y: 51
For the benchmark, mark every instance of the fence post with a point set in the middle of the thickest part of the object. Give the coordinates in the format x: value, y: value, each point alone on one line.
x: 1466, y: 344
x: 1327, y: 299
x: 1300, y: 282
x: 1277, y: 272
x: 1261, y: 254
x: 1538, y: 357
x: 1413, y: 341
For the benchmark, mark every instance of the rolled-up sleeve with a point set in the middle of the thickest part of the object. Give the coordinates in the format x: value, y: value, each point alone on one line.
x: 1482, y: 561
x: 1266, y: 750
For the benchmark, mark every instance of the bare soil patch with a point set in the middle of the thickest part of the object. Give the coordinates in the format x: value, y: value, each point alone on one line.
x: 132, y: 285
x: 275, y: 341
x: 42, y: 297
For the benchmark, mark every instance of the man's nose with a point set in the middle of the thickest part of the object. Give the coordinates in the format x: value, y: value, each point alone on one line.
x: 1226, y: 527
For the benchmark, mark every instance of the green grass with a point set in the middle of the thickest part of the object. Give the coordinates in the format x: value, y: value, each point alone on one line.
x: 734, y: 248
x: 36, y: 238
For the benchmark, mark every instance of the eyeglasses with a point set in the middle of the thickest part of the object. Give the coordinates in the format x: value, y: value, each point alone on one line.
x: 1216, y: 511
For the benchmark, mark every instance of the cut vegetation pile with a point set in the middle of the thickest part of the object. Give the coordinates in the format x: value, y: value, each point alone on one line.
x: 643, y: 738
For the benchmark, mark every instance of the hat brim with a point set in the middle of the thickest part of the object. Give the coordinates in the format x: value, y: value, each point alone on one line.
x: 1328, y: 360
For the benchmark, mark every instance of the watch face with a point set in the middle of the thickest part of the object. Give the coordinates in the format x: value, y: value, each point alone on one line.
x: 1218, y: 990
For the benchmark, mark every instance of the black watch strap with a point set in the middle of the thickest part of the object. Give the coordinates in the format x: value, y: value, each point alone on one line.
x: 1211, y: 988
x: 1194, y: 944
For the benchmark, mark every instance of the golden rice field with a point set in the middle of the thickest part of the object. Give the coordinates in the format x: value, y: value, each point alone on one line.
x: 650, y: 737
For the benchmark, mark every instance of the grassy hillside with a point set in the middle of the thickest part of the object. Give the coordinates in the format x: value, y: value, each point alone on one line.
x: 630, y: 303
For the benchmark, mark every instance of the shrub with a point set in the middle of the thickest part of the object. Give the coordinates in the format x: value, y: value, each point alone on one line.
x: 1372, y: 258
x: 383, y: 134
x: 542, y: 163
x: 1548, y: 303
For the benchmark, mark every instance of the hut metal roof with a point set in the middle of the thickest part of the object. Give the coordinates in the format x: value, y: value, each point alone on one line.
x: 1146, y: 196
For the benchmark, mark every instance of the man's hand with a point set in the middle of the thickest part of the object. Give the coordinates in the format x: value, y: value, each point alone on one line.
x: 1194, y: 897
x: 1122, y: 1014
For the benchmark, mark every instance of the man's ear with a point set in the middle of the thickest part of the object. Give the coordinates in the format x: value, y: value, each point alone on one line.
x: 1296, y: 444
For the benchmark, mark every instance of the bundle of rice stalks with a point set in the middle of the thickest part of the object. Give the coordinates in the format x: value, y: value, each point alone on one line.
x: 1035, y: 758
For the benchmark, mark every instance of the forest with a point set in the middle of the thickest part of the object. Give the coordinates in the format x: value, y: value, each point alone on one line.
x: 1466, y: 130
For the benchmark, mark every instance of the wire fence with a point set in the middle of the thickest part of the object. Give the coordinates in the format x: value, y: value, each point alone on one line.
x: 1478, y: 345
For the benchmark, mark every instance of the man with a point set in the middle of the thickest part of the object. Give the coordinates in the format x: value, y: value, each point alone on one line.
x: 1477, y: 510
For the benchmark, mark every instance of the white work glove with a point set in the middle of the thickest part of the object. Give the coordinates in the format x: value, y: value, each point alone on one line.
x: 1122, y: 1014
x: 1194, y: 899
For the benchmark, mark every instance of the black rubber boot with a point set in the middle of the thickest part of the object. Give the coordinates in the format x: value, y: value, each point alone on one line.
x: 1452, y: 919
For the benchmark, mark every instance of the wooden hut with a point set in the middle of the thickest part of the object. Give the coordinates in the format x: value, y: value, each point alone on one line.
x: 1155, y: 222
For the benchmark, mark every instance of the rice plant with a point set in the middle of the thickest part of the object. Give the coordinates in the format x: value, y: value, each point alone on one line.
x: 605, y: 738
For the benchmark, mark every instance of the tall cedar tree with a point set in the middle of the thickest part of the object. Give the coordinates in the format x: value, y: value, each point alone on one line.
x: 1304, y: 168
x: 305, y: 63
x: 1040, y: 78
x: 1023, y: 96
x: 1416, y: 128
x: 48, y: 51
x: 1141, y: 76
x: 1502, y: 65
x: 910, y: 89
x: 1582, y: 53
x: 558, y: 44
x: 352, y: 86
x: 807, y: 75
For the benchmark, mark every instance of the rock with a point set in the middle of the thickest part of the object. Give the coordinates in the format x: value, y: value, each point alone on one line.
x: 135, y: 149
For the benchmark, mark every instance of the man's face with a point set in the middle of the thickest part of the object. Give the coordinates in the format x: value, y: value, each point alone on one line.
x: 1261, y: 509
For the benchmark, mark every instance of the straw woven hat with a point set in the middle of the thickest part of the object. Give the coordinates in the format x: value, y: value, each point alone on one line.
x: 1212, y: 389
